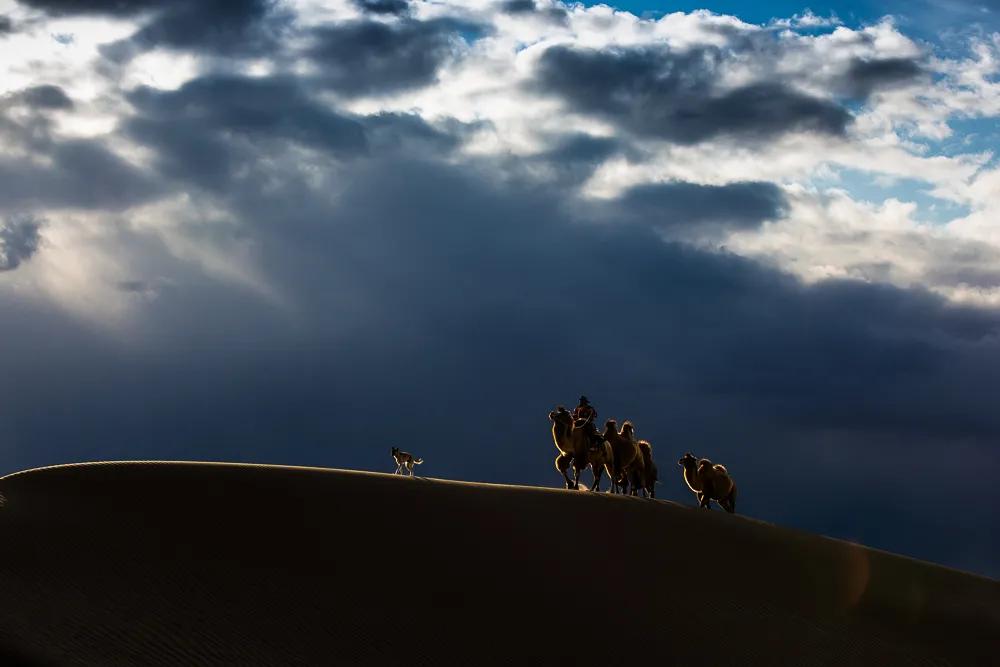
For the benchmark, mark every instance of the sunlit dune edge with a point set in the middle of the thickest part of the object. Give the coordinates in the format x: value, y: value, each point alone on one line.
x: 157, y: 563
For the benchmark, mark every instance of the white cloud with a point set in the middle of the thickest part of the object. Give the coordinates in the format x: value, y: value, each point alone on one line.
x: 827, y: 234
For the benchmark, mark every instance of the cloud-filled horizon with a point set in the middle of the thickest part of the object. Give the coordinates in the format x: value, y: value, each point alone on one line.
x: 303, y: 232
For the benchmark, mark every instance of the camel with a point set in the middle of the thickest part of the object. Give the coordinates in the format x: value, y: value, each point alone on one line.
x: 709, y: 481
x: 645, y: 478
x: 626, y: 455
x: 572, y: 440
x: 600, y: 457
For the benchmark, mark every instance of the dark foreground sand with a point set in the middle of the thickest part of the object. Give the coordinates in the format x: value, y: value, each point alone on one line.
x: 202, y: 564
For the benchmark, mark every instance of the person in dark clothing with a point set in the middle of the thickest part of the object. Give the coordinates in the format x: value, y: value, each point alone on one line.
x: 587, y: 412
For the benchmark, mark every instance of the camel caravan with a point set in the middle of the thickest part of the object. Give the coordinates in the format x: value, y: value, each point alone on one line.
x: 627, y: 460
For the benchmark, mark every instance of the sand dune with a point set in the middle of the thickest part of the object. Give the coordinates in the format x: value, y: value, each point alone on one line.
x: 203, y: 564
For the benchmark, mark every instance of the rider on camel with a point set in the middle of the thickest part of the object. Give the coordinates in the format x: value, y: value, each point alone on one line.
x: 587, y: 412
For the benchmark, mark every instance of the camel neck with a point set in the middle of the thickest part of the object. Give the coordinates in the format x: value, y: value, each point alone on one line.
x: 691, y: 475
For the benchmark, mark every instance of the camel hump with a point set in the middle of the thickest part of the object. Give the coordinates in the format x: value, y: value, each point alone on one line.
x: 645, y: 446
x: 718, y: 467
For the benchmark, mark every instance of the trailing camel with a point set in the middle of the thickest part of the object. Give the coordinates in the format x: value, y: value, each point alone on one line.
x: 626, y: 455
x: 709, y: 481
x: 573, y: 442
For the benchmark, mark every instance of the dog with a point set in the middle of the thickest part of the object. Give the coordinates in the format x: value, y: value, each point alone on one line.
x: 404, y: 461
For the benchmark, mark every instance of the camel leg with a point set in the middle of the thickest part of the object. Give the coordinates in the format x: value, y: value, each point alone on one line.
x: 597, y: 477
x: 729, y: 504
x: 562, y: 465
x: 576, y: 475
x: 704, y: 501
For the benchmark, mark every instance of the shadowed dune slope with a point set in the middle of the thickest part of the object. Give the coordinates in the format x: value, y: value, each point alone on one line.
x: 201, y: 564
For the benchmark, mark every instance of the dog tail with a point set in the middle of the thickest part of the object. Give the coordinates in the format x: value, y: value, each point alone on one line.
x: 418, y: 461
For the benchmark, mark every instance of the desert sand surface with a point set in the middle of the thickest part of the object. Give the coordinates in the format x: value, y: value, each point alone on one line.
x: 227, y: 564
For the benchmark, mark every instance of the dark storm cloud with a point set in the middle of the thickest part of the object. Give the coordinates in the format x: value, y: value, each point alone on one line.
x: 43, y: 97
x: 222, y: 27
x: 390, y: 131
x: 371, y: 57
x: 573, y: 159
x: 69, y: 7
x: 19, y: 239
x: 41, y: 170
x: 864, y: 77
x: 524, y: 7
x: 6, y: 25
x: 583, y: 148
x: 214, y: 130
x: 672, y: 96
x: 394, y: 7
x: 78, y: 174
x: 274, y: 107
x: 446, y: 256
x: 518, y: 6
x: 686, y: 205
x: 205, y: 129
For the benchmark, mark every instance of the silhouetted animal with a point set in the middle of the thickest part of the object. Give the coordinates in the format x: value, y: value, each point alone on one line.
x: 600, y: 457
x: 404, y: 461
x: 573, y: 441
x: 626, y: 456
x: 709, y: 481
x: 644, y: 478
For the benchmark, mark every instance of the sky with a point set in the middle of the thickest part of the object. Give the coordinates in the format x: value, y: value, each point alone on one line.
x: 303, y: 232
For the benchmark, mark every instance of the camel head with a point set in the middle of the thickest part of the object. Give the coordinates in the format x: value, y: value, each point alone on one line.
x: 561, y: 415
x: 687, y: 459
